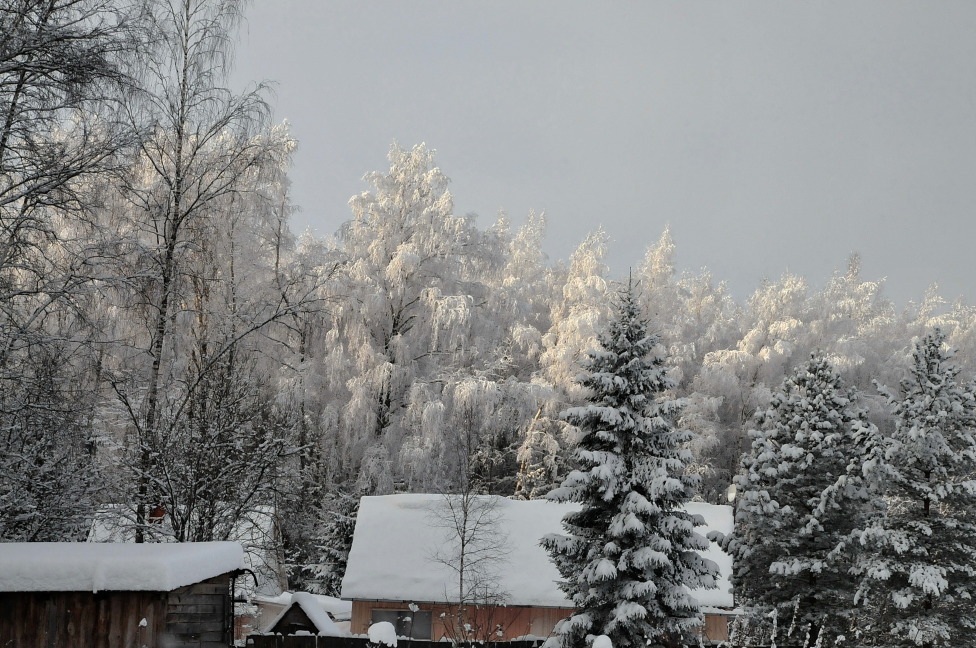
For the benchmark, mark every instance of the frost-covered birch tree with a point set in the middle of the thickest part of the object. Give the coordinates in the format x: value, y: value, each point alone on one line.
x: 436, y: 339
x: 194, y: 278
x: 578, y: 315
x: 630, y: 555
x: 62, y: 70
x: 694, y: 317
x: 406, y: 308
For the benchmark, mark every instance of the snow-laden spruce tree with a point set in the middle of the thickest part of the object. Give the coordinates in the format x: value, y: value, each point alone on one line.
x: 630, y: 555
x: 799, y: 497
x: 918, y: 561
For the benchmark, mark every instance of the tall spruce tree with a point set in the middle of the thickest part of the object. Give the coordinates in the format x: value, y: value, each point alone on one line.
x: 630, y: 554
x: 918, y: 560
x: 799, y: 500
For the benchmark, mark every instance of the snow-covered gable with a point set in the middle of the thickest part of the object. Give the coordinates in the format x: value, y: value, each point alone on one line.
x: 311, y: 606
x: 88, y: 567
x: 337, y: 608
x: 395, y: 541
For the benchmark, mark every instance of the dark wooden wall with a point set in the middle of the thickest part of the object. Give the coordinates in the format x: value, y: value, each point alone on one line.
x: 196, y: 616
x: 81, y: 619
x: 199, y: 615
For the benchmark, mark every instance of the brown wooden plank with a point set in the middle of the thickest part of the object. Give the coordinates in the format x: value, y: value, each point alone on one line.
x: 108, y: 619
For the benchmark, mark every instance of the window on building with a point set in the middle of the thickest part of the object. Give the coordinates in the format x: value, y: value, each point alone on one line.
x: 415, y: 625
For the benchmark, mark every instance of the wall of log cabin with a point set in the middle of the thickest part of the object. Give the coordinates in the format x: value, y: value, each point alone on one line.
x: 81, y: 619
x: 199, y: 615
x: 196, y: 615
x: 515, y: 621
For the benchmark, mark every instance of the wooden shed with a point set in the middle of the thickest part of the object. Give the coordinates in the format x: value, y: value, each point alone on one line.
x: 105, y: 595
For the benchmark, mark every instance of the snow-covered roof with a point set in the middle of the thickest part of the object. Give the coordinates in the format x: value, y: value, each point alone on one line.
x: 324, y: 625
x: 254, y: 531
x: 337, y: 608
x: 88, y: 567
x: 396, y: 538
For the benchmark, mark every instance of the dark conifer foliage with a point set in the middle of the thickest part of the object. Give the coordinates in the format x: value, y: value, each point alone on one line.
x: 630, y: 554
x: 799, y: 497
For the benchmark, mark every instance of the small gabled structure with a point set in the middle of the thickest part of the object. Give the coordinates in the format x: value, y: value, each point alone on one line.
x: 304, y: 614
x: 87, y: 595
x: 272, y: 607
x: 392, y: 574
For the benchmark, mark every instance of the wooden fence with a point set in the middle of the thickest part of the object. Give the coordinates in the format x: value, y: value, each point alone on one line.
x: 309, y: 641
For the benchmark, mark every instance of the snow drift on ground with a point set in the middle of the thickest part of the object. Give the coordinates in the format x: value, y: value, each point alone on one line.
x: 95, y: 567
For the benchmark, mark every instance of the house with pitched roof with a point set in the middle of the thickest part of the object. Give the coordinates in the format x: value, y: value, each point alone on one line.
x: 397, y: 572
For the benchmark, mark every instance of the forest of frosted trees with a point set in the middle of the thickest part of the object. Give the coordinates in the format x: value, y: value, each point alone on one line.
x: 167, y: 342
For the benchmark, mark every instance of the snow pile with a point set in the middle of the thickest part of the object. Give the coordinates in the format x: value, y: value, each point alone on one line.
x: 95, y: 567
x: 394, y: 544
x: 382, y: 633
x: 603, y: 641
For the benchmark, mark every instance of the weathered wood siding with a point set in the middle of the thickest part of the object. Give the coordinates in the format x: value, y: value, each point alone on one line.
x: 515, y: 621
x: 267, y: 612
x: 81, y: 619
x: 198, y: 616
x: 716, y: 628
x: 293, y: 641
x: 512, y: 620
x: 294, y: 619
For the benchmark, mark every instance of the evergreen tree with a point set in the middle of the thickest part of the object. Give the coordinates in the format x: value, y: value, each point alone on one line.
x: 323, y: 571
x: 797, y: 503
x: 630, y: 554
x: 918, y: 562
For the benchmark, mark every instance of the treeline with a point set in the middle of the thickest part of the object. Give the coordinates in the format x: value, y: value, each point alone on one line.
x: 845, y: 534
x: 167, y: 343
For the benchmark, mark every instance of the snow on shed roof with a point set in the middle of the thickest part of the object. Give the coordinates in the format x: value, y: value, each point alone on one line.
x: 95, y: 567
x: 254, y: 530
x: 337, y: 608
x: 396, y: 538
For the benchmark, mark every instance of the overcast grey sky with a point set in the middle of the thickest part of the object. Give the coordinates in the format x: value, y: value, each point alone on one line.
x: 772, y: 136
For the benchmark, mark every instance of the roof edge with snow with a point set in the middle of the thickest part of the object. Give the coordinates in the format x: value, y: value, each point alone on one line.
x: 127, y: 567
